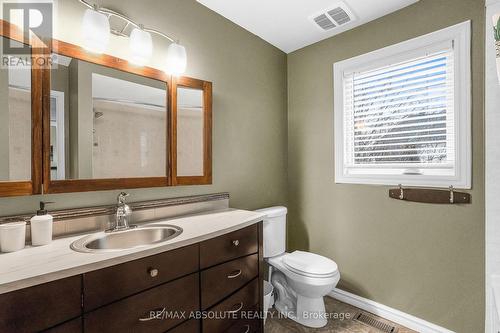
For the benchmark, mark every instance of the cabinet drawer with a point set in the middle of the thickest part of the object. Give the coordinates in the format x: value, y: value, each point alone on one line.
x: 40, y: 307
x: 224, y: 279
x: 192, y: 326
x: 246, y: 325
x: 229, y: 310
x: 110, y: 284
x: 230, y: 246
x: 133, y: 314
x: 72, y: 326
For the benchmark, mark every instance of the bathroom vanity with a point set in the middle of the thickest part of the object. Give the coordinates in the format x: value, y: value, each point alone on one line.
x: 207, y: 279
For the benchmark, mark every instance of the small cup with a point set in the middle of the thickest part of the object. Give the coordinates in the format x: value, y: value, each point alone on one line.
x: 12, y: 236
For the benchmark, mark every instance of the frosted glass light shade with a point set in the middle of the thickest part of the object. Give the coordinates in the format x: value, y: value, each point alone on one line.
x: 176, y: 59
x: 141, y: 47
x: 95, y: 31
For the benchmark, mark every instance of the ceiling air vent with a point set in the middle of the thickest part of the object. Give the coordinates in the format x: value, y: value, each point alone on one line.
x: 334, y: 17
x: 339, y: 15
x: 324, y: 22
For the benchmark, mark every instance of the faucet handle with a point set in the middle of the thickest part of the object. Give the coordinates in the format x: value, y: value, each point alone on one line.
x: 121, y: 197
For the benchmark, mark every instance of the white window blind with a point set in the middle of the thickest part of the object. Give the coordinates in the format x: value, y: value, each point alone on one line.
x: 403, y: 113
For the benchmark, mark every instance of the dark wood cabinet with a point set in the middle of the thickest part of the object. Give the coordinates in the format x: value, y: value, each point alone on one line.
x: 116, y: 282
x: 231, y: 309
x: 72, y: 326
x: 155, y: 310
x: 230, y: 246
x: 191, y: 326
x: 41, y: 307
x: 249, y: 324
x: 222, y: 280
x: 167, y: 292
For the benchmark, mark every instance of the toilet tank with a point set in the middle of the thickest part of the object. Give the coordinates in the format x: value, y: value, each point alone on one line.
x: 274, y: 230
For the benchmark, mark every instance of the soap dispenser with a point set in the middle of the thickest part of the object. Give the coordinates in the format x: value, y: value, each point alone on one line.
x: 41, y: 226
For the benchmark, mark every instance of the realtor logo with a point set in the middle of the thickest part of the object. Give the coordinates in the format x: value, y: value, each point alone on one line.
x: 28, y: 16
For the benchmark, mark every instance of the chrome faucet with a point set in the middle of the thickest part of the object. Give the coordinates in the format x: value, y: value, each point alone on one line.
x: 123, y: 213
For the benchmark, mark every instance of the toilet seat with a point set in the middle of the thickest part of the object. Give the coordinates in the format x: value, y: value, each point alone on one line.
x: 310, y: 264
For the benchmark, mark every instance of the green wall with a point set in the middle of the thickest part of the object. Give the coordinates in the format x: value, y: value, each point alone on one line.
x: 249, y: 102
x: 426, y: 260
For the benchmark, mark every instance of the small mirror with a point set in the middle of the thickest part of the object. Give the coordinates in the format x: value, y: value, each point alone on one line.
x: 190, y: 132
x: 192, y: 123
x: 15, y: 117
x: 105, y: 123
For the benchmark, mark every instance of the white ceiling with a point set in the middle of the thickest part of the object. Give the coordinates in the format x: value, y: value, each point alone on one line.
x: 288, y: 24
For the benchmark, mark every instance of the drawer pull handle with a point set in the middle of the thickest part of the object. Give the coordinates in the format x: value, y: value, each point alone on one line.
x: 236, y: 242
x: 240, y: 306
x: 247, y: 328
x: 234, y: 274
x: 153, y: 272
x: 154, y: 314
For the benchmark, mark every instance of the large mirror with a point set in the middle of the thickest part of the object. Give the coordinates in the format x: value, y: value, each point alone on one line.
x: 20, y: 116
x: 98, y: 123
x: 108, y: 125
x: 193, y: 123
x: 105, y: 123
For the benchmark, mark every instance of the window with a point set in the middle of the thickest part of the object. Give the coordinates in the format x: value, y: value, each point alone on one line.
x: 402, y: 113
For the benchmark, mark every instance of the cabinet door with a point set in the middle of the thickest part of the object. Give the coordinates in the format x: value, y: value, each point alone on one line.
x: 155, y: 310
x: 41, y: 307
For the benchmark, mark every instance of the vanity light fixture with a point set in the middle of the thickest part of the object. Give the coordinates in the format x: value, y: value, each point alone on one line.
x: 141, y: 46
x: 96, y: 31
x: 176, y: 59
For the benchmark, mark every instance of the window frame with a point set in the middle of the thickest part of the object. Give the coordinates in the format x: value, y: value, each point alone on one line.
x: 459, y: 36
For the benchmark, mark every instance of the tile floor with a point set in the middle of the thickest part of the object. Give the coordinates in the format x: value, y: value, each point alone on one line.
x: 344, y: 322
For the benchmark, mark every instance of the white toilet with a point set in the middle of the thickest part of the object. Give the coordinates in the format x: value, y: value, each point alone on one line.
x: 300, y: 279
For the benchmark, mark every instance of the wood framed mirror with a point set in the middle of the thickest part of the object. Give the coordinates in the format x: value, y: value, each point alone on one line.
x: 21, y: 112
x: 106, y: 123
x: 191, y: 131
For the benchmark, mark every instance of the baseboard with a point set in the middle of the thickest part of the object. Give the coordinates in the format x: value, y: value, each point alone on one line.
x: 388, y: 313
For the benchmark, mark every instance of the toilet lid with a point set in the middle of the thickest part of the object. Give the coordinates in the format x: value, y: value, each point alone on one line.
x: 310, y: 263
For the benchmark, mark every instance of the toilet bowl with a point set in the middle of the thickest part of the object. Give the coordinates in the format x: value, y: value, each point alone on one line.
x: 300, y: 279
x: 305, y: 285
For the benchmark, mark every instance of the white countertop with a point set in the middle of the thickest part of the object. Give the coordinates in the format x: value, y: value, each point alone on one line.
x: 36, y: 265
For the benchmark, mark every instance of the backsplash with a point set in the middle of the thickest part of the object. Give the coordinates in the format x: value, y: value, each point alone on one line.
x: 89, y: 219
